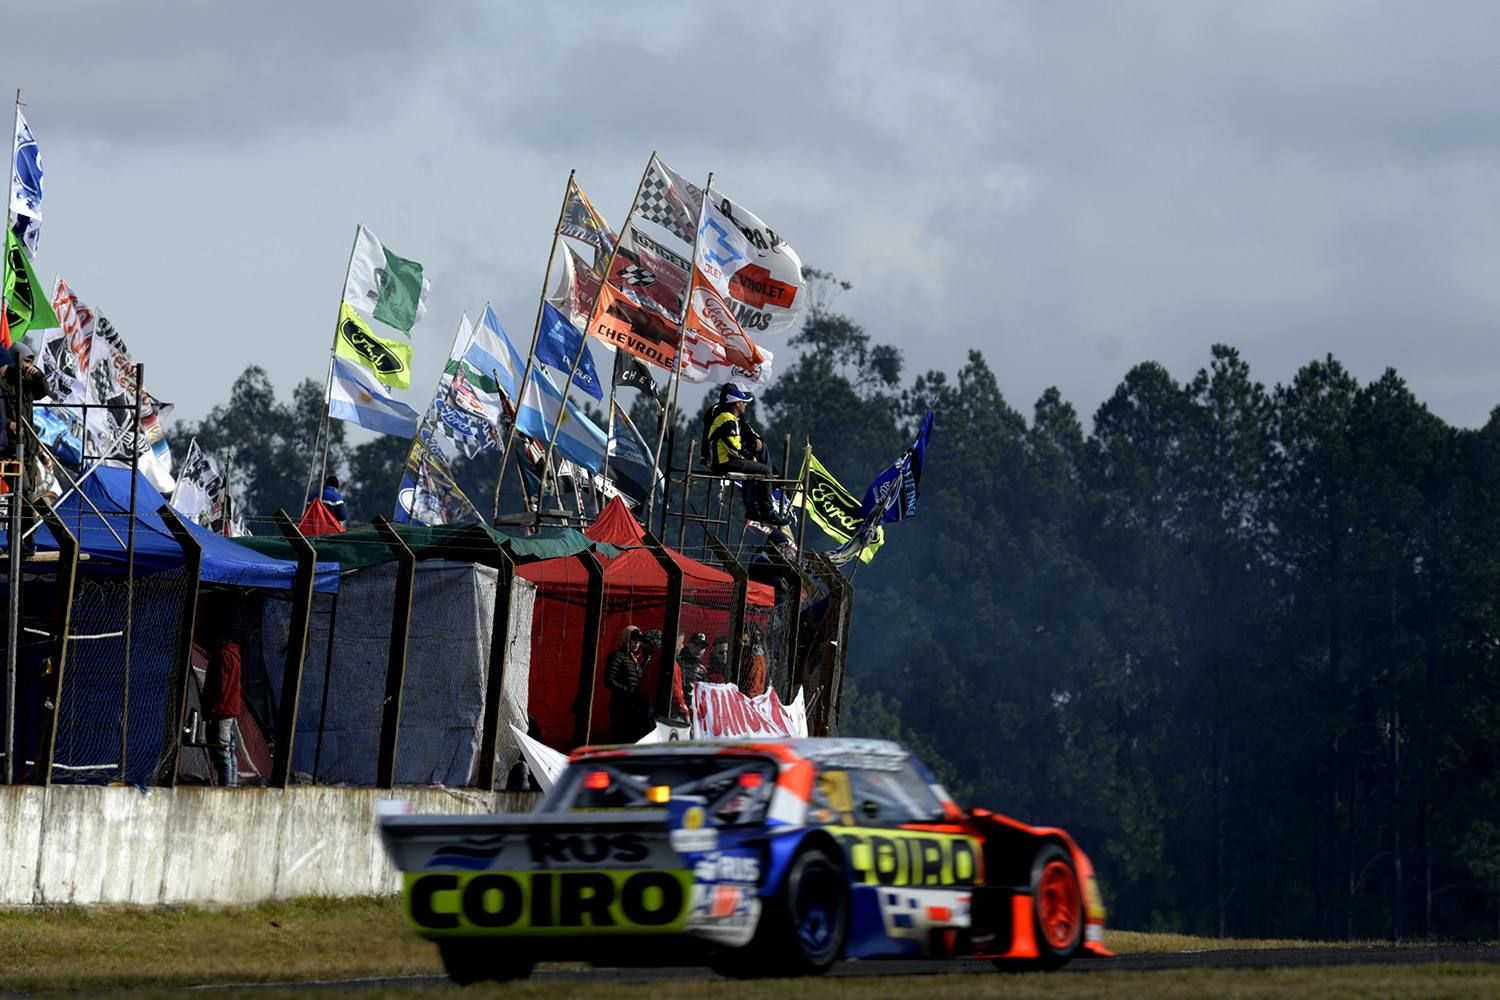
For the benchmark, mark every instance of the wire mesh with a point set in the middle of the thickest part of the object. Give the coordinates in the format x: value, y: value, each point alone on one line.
x: 115, y: 723
x: 447, y: 664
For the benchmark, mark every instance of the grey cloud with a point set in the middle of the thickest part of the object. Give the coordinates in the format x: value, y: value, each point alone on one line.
x: 156, y: 72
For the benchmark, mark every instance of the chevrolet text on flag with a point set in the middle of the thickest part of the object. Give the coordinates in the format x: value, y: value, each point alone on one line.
x: 384, y: 286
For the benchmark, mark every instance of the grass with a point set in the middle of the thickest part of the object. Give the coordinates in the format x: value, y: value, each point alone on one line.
x: 96, y: 948
x: 73, y: 948
x: 1138, y: 943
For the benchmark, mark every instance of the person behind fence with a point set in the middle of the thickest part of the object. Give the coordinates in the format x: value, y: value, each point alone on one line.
x: 718, y: 662
x: 332, y: 499
x: 731, y: 445
x: 520, y: 778
x: 629, y: 712
x: 222, y: 703
x: 690, y: 662
x: 19, y: 403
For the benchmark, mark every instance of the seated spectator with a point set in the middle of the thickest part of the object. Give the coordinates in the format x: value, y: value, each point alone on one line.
x: 332, y: 499
x: 731, y: 445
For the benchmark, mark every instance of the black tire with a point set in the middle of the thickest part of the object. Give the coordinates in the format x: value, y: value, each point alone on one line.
x: 803, y: 928
x: 1058, y: 912
x: 469, y: 962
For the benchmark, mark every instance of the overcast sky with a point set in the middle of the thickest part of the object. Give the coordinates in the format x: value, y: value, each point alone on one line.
x: 1071, y: 188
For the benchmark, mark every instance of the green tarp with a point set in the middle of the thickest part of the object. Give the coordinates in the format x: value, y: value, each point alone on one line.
x: 364, y: 546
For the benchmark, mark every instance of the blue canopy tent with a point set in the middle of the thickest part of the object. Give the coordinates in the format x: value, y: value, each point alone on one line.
x: 224, y: 562
x: 114, y: 704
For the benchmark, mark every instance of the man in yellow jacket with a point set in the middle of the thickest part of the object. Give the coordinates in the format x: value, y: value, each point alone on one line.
x: 733, y: 446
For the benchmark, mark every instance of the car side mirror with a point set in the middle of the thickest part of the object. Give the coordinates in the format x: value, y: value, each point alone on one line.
x: 869, y: 810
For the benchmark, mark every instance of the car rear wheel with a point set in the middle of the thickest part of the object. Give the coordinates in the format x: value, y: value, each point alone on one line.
x: 1057, y: 901
x: 802, y: 930
x: 468, y: 962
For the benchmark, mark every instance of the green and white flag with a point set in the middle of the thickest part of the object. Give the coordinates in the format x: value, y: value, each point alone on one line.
x: 384, y: 286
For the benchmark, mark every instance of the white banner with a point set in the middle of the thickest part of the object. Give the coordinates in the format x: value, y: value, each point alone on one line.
x: 546, y: 764
x: 723, y: 711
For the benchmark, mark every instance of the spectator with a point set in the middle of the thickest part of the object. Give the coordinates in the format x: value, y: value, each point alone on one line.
x: 221, y: 701
x: 733, y: 446
x: 752, y: 661
x: 332, y: 499
x: 629, y: 712
x: 18, y: 405
x: 718, y: 662
x: 520, y: 778
x: 690, y: 664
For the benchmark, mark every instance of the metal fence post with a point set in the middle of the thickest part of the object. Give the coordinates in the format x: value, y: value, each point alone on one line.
x: 670, y: 627
x: 494, y: 688
x: 62, y: 622
x: 737, y: 609
x: 296, y: 650
x: 395, y: 668
x: 182, y: 670
x: 588, y: 659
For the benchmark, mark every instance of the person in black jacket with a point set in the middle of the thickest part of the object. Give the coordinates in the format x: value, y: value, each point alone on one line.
x: 629, y: 712
x: 690, y: 660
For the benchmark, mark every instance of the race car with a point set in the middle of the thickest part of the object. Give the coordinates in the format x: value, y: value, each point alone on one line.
x: 771, y: 858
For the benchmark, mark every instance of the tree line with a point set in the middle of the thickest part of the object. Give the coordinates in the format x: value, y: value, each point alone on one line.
x: 1241, y: 642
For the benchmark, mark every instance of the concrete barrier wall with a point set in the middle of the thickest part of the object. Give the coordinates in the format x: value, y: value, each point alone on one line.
x: 85, y: 845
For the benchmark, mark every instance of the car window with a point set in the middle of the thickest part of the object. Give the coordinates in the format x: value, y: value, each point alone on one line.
x: 873, y: 797
x: 736, y: 789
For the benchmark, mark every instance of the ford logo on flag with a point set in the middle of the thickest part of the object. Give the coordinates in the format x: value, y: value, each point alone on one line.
x: 380, y: 358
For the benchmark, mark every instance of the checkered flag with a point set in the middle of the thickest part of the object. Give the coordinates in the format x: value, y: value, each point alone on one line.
x: 634, y: 274
x: 669, y: 201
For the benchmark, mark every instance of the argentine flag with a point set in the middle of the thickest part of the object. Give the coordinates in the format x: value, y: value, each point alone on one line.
x: 356, y: 397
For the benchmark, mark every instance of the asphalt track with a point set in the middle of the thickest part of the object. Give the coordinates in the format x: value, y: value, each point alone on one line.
x: 1272, y: 958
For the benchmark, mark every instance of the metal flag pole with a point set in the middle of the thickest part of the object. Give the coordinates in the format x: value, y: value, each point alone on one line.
x: 10, y: 197
x: 609, y: 268
x: 325, y: 431
x: 609, y: 431
x: 670, y: 413
x: 13, y: 605
x: 536, y: 329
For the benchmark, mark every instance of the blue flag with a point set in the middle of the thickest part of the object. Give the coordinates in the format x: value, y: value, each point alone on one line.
x: 558, y: 343
x: 893, y: 495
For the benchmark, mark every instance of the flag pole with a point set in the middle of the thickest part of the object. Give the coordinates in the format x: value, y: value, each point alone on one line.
x: 609, y: 432
x: 609, y: 268
x: 536, y: 329
x: 670, y: 412
x: 10, y: 197
x: 13, y: 604
x: 328, y: 379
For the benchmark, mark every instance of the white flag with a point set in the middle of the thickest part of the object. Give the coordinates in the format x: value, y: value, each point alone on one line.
x: 761, y: 273
x: 385, y: 286
x: 25, y: 171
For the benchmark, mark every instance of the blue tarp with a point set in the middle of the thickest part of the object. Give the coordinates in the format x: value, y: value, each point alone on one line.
x: 224, y: 562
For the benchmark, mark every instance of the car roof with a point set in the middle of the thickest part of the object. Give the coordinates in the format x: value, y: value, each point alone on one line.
x: 824, y: 751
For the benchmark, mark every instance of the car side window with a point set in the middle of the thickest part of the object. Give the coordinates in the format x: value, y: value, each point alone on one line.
x: 832, y: 801
x: 892, y: 797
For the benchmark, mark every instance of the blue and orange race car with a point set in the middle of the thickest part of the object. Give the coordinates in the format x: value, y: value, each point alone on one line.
x: 755, y: 858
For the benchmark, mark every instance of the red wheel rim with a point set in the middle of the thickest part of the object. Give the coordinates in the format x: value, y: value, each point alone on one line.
x: 1059, y: 904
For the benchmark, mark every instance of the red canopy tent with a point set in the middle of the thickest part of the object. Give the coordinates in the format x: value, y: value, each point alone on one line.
x: 635, y: 593
x: 635, y: 570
